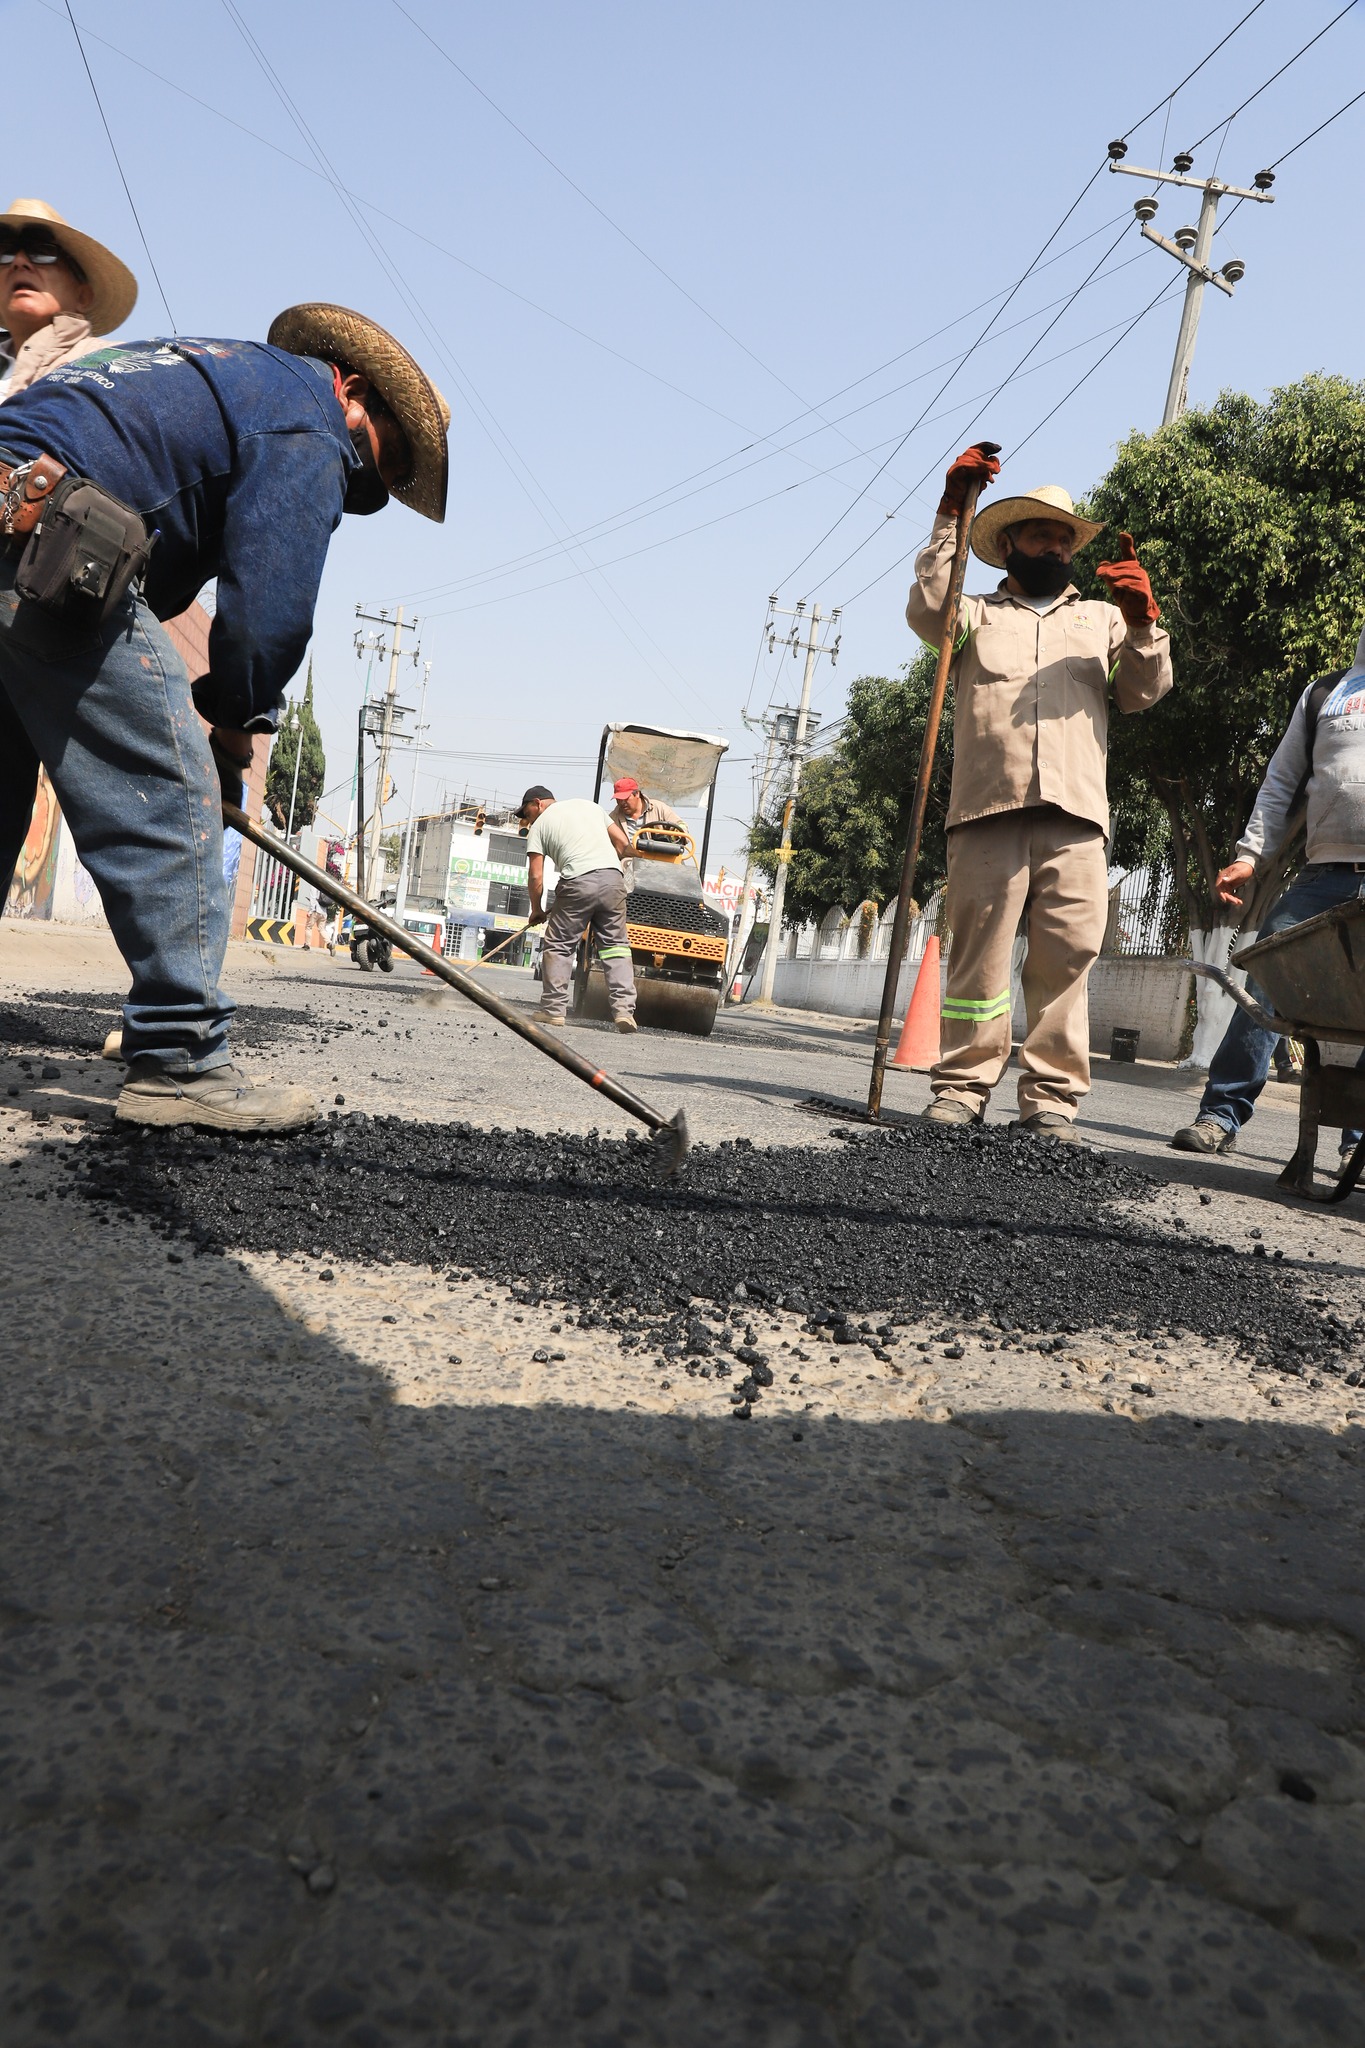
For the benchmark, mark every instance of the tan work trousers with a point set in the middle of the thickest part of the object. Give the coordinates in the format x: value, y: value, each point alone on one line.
x: 1052, y: 869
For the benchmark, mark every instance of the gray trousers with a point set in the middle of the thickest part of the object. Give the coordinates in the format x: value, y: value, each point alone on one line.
x: 595, y: 903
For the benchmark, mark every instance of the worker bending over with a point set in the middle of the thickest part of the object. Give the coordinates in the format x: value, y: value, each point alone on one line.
x: 1028, y: 814
x: 1322, y: 758
x: 237, y: 460
x: 590, y: 897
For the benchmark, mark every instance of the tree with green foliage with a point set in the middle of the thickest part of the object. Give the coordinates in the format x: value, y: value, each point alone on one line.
x: 853, y: 812
x: 1250, y: 519
x: 298, y: 740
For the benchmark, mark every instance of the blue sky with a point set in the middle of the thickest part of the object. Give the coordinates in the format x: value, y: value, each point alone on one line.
x: 772, y: 203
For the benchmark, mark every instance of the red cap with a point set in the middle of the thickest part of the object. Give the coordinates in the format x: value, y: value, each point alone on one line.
x: 627, y: 786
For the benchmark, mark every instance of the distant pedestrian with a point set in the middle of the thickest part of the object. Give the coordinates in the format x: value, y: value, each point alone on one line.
x: 586, y: 848
x: 1028, y: 816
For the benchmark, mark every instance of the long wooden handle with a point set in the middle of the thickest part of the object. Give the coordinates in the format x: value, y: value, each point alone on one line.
x: 524, y: 1027
x: 900, y: 926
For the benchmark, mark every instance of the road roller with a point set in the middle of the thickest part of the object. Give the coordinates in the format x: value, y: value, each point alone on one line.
x: 678, y: 942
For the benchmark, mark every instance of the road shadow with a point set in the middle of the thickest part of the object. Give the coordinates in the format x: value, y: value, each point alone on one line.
x: 331, y: 1718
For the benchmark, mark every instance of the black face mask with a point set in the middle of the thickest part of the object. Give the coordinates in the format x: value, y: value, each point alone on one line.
x: 1038, y: 575
x: 366, y: 490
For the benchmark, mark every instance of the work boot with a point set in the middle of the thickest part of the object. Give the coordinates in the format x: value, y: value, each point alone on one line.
x: 1050, y: 1123
x: 112, y: 1049
x: 1205, y: 1134
x: 223, y: 1099
x: 625, y: 1023
x: 550, y: 1023
x: 944, y: 1110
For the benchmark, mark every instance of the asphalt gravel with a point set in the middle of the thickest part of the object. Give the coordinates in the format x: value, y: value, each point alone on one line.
x: 978, y: 1227
x: 75, y: 1020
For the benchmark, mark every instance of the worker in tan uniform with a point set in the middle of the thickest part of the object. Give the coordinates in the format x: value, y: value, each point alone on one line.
x: 1028, y: 815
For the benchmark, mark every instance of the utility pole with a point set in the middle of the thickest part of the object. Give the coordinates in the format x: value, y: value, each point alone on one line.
x: 813, y: 650
x: 381, y: 720
x: 747, y: 913
x: 401, y: 902
x: 1193, y: 247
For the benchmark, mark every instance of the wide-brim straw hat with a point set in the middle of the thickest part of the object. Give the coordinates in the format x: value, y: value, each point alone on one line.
x: 1049, y: 501
x: 113, y: 284
x: 337, y: 335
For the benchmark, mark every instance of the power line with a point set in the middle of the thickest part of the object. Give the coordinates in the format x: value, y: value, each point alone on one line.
x: 735, y: 511
x: 1001, y: 386
x: 1195, y: 73
x: 1020, y: 283
x: 1015, y: 288
x: 490, y: 425
x: 1227, y: 121
x: 1311, y: 133
x: 118, y: 163
x: 677, y: 494
x: 601, y: 211
x: 1167, y: 291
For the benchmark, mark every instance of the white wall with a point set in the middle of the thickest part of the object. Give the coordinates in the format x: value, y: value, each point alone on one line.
x: 1147, y: 995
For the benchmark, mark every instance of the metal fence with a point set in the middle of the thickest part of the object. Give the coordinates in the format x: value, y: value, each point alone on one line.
x: 272, y: 886
x: 1144, y: 914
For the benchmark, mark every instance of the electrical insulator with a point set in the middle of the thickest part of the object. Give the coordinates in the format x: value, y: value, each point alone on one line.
x: 1145, y: 208
x: 1185, y: 238
x: 1183, y: 163
x: 1234, y: 270
x: 1263, y: 180
x: 1118, y: 151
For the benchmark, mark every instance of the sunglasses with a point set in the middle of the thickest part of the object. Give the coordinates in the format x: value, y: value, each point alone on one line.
x: 39, y: 246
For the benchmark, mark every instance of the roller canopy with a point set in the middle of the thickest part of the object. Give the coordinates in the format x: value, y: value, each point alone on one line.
x: 679, y: 767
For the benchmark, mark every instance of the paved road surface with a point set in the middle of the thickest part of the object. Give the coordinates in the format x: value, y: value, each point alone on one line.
x: 368, y: 1681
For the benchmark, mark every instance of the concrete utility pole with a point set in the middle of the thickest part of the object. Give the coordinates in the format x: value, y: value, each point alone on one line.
x: 735, y: 957
x: 382, y: 720
x: 401, y: 903
x: 1192, y: 247
x: 813, y: 650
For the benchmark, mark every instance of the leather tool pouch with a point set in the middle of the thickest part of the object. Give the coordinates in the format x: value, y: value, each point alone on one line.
x: 84, y: 553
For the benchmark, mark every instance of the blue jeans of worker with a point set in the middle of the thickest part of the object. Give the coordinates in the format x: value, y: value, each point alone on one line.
x: 108, y: 713
x: 1239, y: 1068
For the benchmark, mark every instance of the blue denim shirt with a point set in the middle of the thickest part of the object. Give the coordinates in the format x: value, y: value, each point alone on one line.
x: 238, y: 455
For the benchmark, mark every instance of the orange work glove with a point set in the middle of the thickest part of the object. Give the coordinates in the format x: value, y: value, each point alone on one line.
x: 977, y: 461
x: 1128, y: 581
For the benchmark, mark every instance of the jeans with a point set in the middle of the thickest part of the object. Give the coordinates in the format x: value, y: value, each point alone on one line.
x: 108, y: 712
x: 1240, y: 1066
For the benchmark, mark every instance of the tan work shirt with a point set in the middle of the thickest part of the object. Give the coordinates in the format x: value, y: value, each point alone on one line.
x: 654, y: 813
x: 64, y: 337
x: 1031, y: 690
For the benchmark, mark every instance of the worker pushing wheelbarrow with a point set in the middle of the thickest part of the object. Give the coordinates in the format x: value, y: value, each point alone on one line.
x: 1308, y: 962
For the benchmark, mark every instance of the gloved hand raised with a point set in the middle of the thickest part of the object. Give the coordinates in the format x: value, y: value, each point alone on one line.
x: 1128, y: 582
x: 980, y: 460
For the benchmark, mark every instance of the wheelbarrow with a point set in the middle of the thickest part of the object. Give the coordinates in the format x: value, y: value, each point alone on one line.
x: 1313, y: 976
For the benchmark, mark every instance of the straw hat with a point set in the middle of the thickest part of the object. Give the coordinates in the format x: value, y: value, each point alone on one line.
x: 337, y: 335
x: 1049, y: 501
x: 113, y: 284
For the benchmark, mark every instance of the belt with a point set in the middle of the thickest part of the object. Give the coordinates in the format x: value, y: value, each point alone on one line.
x: 25, y: 488
x: 1342, y: 867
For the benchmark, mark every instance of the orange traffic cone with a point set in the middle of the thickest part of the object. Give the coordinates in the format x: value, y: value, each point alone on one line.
x: 918, y: 1045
